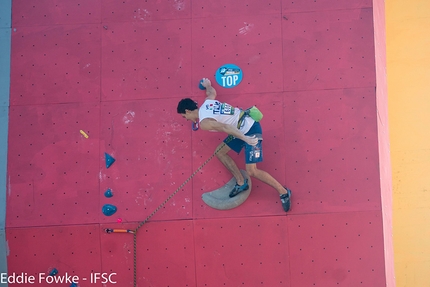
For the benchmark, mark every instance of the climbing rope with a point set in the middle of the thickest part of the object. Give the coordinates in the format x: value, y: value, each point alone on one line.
x: 134, y: 232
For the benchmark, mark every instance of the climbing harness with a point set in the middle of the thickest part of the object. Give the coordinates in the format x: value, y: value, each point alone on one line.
x: 242, y: 116
x: 252, y: 112
x: 134, y: 231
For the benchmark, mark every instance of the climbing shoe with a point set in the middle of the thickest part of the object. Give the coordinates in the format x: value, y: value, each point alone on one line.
x: 286, y: 200
x: 239, y: 188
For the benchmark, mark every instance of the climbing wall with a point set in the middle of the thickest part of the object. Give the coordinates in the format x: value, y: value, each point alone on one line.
x: 115, y: 71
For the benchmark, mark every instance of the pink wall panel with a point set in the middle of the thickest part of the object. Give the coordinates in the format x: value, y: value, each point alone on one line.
x: 333, y: 149
x: 252, y: 43
x: 55, y: 64
x: 223, y: 8
x: 146, y: 60
x: 141, y: 11
x: 249, y: 251
x: 165, y: 254
x: 53, y: 170
x: 384, y: 141
x: 336, y: 249
x: 153, y: 157
x: 322, y: 5
x: 328, y: 49
x: 73, y: 250
x: 49, y: 12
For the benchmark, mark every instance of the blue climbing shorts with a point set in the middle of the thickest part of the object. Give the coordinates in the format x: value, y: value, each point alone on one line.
x: 253, y: 154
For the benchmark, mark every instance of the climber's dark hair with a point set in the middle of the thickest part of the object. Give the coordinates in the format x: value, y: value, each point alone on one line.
x: 186, y: 104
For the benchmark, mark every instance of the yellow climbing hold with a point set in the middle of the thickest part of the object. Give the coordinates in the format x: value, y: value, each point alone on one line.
x: 84, y: 134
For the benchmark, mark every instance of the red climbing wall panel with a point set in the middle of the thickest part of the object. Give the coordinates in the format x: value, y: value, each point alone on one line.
x: 54, y: 12
x: 53, y: 170
x: 238, y: 253
x: 117, y: 69
x: 55, y: 64
x: 337, y: 249
x: 332, y: 49
x: 165, y: 254
x: 322, y: 5
x: 333, y: 149
x: 146, y: 60
x: 253, y: 42
x: 225, y: 8
x: 73, y: 249
x: 149, y: 148
x: 136, y: 10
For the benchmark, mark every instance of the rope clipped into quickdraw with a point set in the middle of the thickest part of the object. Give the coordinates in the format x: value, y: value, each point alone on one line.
x: 134, y: 232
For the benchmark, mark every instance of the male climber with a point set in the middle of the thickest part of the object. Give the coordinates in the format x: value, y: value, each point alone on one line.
x: 243, y: 132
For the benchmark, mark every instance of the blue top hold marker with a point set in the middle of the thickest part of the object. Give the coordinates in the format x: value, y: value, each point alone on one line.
x: 229, y: 76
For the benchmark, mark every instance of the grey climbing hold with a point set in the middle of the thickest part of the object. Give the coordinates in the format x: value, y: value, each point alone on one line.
x: 219, y: 198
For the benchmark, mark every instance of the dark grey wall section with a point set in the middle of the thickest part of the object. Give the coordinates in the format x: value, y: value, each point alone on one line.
x: 5, y: 33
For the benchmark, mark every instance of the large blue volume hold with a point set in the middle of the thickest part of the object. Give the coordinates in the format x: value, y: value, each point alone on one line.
x: 109, y: 209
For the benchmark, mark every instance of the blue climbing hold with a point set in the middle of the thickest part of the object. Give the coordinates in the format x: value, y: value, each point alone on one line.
x: 74, y: 284
x: 194, y: 126
x: 53, y: 272
x: 109, y: 160
x: 201, y: 86
x: 109, y: 209
x: 108, y: 193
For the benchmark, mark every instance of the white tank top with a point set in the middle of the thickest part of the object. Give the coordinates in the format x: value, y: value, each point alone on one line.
x: 224, y: 113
